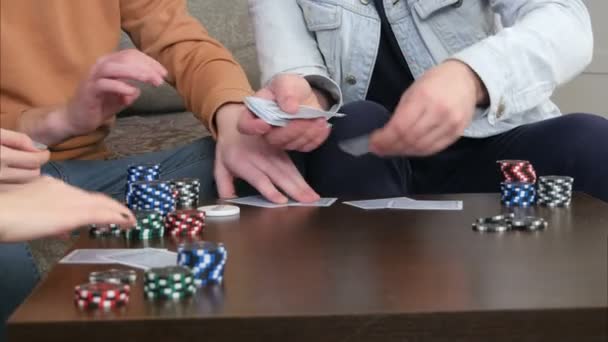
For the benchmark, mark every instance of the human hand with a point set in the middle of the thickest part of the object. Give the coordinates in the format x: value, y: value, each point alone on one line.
x: 20, y: 160
x: 251, y: 158
x: 290, y: 91
x: 107, y: 90
x: 47, y: 206
x: 432, y: 113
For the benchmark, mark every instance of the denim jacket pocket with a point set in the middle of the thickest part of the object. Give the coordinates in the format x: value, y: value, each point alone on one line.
x: 324, y: 20
x: 458, y: 24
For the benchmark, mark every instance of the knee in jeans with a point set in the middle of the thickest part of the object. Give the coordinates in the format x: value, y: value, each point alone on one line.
x: 587, y: 124
x: 589, y: 137
x: 361, y: 117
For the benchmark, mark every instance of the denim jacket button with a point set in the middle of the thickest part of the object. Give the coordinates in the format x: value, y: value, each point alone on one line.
x: 365, y: 2
x: 350, y: 79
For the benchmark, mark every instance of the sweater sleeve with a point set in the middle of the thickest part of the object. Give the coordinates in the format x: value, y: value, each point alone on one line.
x: 203, y: 71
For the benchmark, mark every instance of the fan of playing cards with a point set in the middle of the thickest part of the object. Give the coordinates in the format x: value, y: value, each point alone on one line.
x: 270, y: 112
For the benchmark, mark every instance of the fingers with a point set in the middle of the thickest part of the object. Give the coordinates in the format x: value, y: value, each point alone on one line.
x: 224, y: 180
x: 249, y: 124
x: 104, y: 210
x: 114, y: 70
x: 262, y: 183
x: 290, y: 91
x: 316, y: 133
x: 17, y: 176
x: 106, y: 85
x: 295, y: 185
x: 23, y: 160
x: 17, y: 140
x: 392, y: 138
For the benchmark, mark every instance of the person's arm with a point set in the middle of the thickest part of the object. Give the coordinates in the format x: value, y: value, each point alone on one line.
x: 203, y: 71
x: 286, y: 46
x: 544, y: 43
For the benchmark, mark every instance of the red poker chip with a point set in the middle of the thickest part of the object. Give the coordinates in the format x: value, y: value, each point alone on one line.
x: 104, y: 291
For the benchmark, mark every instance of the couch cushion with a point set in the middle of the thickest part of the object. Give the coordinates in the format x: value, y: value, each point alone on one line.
x: 226, y: 21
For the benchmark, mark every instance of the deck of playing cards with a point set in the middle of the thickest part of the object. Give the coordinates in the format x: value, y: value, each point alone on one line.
x: 270, y: 112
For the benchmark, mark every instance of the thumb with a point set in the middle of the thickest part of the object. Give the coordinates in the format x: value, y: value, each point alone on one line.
x: 288, y: 103
x: 224, y: 181
x: 251, y: 125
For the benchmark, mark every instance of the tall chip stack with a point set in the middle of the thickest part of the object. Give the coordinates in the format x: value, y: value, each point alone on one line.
x: 555, y: 191
x: 155, y: 195
x: 187, y: 192
x: 141, y: 173
x: 518, y: 187
x: 205, y: 259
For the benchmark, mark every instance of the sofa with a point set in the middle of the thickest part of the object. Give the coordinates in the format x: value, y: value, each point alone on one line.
x: 137, y: 130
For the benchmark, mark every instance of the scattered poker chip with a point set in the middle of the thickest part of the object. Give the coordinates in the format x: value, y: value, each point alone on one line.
x: 220, y: 210
x: 100, y: 231
x: 113, y: 276
x: 205, y: 259
x: 507, y: 222
x: 101, y: 295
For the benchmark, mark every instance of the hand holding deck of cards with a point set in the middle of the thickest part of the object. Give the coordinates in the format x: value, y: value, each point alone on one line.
x: 270, y: 112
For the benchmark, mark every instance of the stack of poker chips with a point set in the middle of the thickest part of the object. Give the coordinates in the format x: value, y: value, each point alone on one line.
x: 518, y: 186
x: 113, y: 276
x: 173, y: 282
x: 187, y: 192
x: 155, y: 195
x: 517, y: 194
x: 107, y: 230
x: 205, y: 259
x: 149, y: 225
x: 555, y: 191
x: 185, y: 222
x: 520, y: 171
x: 141, y: 173
x: 101, y: 295
x: 507, y: 222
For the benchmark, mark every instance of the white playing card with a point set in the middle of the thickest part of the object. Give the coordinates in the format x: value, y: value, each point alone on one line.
x: 145, y: 258
x: 426, y: 205
x: 256, y: 201
x: 90, y: 256
x: 382, y: 203
x: 259, y: 201
x: 356, y: 146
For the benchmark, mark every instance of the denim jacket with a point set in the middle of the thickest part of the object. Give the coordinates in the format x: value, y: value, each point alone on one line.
x: 521, y: 49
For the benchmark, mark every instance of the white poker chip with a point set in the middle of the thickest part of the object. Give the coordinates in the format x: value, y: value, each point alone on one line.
x: 40, y: 146
x: 220, y: 210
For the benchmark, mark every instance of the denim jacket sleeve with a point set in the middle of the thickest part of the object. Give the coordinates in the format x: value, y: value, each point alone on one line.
x: 543, y: 44
x: 284, y: 45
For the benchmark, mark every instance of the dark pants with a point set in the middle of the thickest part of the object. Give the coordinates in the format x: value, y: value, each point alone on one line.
x: 575, y: 145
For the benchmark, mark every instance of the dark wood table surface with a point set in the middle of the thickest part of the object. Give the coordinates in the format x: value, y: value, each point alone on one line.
x: 345, y: 274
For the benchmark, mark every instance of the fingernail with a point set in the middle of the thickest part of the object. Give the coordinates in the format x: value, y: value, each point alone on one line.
x: 40, y: 146
x: 125, y: 216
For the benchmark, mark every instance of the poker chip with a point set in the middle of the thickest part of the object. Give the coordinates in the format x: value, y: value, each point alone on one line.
x: 555, y: 191
x: 151, y: 195
x: 517, y: 194
x: 517, y: 171
x: 507, y: 222
x: 220, y: 210
x: 113, y: 276
x: 173, y: 282
x: 186, y: 192
x: 149, y: 225
x: 185, y: 222
x: 205, y: 259
x: 139, y: 173
x: 101, y: 295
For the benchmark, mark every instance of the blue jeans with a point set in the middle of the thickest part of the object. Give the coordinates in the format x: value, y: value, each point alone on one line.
x: 19, y: 273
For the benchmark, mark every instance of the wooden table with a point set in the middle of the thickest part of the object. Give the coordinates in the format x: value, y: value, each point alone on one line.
x: 344, y: 274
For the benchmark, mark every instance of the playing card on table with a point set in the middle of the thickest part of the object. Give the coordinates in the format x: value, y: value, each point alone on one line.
x: 355, y: 146
x: 426, y: 205
x: 270, y: 112
x: 91, y: 256
x: 259, y: 201
x: 382, y: 203
x: 145, y: 258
